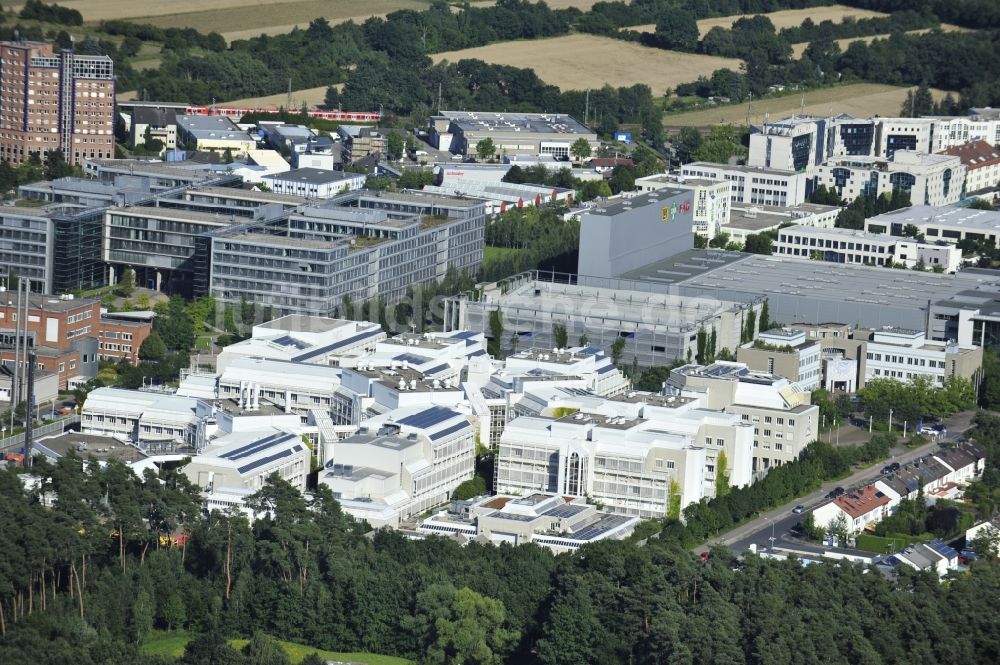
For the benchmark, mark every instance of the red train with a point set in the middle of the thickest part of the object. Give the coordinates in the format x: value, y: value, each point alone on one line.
x: 237, y: 113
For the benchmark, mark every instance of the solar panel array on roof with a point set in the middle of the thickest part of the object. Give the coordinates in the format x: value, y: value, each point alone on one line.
x: 449, y: 431
x: 464, y: 334
x: 337, y: 345
x: 592, y: 350
x: 288, y: 340
x: 606, y: 369
x: 288, y: 452
x: 601, y: 527
x: 257, y: 446
x: 725, y: 370
x: 410, y: 358
x: 942, y: 549
x: 566, y: 510
x: 428, y: 417
x: 437, y: 369
x: 478, y: 353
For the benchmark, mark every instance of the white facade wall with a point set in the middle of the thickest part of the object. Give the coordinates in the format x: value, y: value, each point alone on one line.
x: 316, y: 190
x: 936, y: 180
x: 754, y: 185
x: 905, y: 356
x: 982, y: 177
x: 849, y: 246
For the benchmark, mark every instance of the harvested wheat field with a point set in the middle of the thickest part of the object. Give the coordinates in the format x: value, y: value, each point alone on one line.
x: 860, y: 99
x: 799, y: 49
x: 787, y: 18
x: 311, y: 97
x: 578, y: 62
x: 582, y: 5
x: 236, y: 17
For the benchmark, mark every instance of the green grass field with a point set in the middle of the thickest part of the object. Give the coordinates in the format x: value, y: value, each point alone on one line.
x: 885, y: 545
x: 494, y: 253
x: 171, y: 645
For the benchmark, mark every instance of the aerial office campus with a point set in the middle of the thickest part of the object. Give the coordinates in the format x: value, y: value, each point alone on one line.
x: 490, y: 318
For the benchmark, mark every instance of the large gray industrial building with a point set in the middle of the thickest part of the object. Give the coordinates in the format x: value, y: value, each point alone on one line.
x: 660, y: 304
x: 609, y: 298
x: 628, y: 232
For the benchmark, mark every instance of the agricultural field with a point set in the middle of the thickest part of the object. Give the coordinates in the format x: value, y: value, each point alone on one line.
x: 787, y: 18
x: 799, y: 49
x: 860, y: 99
x: 578, y: 62
x: 582, y: 5
x: 311, y: 97
x: 236, y: 19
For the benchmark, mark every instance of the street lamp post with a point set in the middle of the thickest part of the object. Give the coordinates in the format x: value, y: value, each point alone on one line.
x: 768, y: 519
x: 890, y: 420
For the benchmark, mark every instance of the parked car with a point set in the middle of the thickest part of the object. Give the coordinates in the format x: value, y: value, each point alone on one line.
x: 891, y: 468
x: 799, y: 509
x: 967, y: 556
x: 835, y: 492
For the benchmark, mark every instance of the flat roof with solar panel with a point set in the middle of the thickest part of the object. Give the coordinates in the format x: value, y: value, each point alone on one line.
x: 434, y: 415
x: 601, y: 527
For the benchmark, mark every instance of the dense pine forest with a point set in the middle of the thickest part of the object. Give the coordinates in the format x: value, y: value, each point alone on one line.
x: 86, y: 578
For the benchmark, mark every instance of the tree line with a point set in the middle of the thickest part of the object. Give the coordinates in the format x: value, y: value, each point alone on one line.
x: 976, y: 14
x: 900, y: 21
x: 89, y: 579
x: 543, y: 240
x: 935, y: 59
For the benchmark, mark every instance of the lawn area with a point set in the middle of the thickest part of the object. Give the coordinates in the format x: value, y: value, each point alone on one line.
x: 494, y: 253
x: 171, y: 645
x: 885, y: 545
x: 203, y: 342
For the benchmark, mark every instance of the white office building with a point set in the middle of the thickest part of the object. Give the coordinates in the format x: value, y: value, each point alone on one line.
x: 783, y: 419
x: 936, y: 180
x: 746, y: 219
x: 940, y: 223
x: 154, y: 421
x: 906, y: 354
x: 297, y: 338
x: 982, y: 163
x: 559, y: 523
x: 852, y: 246
x: 315, y: 183
x: 982, y: 124
x: 401, y: 464
x: 756, y: 184
x: 789, y: 145
x: 633, y: 463
x: 245, y: 460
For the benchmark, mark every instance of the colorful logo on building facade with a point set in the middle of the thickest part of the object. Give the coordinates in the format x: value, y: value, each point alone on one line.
x: 670, y: 212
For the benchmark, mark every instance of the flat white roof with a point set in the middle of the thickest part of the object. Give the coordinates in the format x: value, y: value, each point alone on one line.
x: 967, y: 218
x: 281, y: 373
x: 135, y: 401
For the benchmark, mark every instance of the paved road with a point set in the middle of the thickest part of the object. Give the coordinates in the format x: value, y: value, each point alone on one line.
x: 777, y: 523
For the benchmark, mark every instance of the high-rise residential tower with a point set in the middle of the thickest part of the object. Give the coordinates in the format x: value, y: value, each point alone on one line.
x: 51, y: 101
